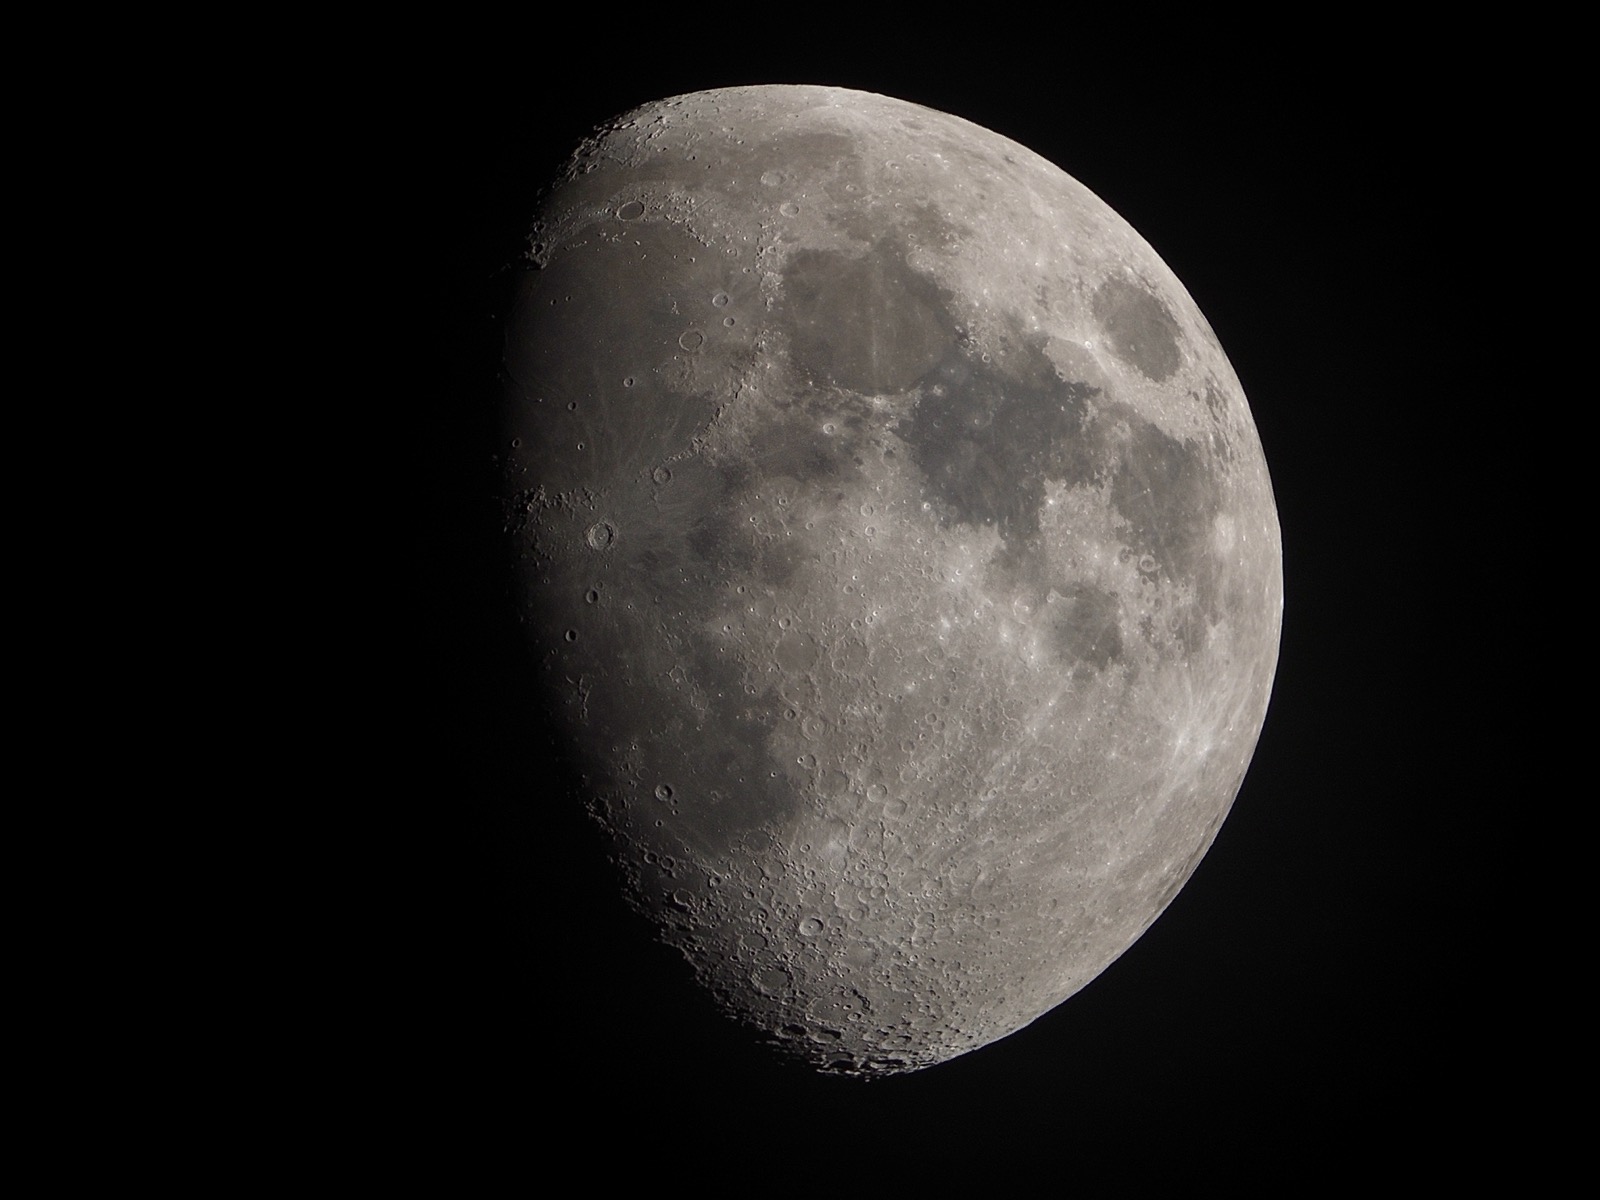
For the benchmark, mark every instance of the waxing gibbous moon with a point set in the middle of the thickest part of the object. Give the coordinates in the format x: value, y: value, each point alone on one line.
x: 898, y: 556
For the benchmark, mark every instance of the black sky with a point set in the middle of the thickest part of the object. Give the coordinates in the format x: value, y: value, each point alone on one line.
x: 1301, y: 1007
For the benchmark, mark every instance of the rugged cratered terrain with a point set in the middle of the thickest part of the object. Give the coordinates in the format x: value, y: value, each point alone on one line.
x: 899, y: 556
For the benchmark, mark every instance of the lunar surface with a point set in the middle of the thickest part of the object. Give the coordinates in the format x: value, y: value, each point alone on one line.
x: 898, y: 554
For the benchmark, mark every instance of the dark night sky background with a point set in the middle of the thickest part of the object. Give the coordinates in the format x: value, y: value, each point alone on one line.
x: 1304, y: 1006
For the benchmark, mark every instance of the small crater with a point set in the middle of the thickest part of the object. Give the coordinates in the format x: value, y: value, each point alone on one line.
x: 600, y: 535
x: 663, y: 791
x: 691, y: 340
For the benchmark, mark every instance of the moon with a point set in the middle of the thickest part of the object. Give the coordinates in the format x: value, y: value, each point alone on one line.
x: 897, y: 554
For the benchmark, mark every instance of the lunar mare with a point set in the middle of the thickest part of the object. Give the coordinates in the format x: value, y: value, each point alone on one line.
x: 898, y: 553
